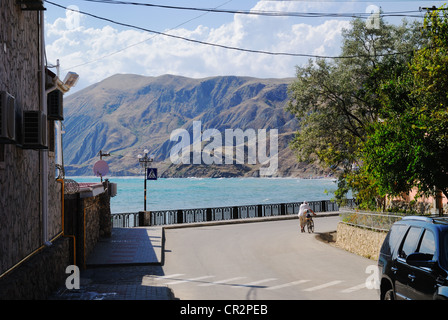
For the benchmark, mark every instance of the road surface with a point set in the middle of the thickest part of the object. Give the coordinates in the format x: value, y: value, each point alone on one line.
x: 262, y: 260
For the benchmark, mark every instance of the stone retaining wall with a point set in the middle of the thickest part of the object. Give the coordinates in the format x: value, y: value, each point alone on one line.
x: 97, y: 221
x: 363, y: 242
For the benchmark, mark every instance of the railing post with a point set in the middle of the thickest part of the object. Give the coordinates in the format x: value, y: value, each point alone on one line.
x: 208, y: 215
x: 180, y: 218
x: 259, y: 210
x: 235, y: 213
x: 282, y: 209
x: 141, y: 218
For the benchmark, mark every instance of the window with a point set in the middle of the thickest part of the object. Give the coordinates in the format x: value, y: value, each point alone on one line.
x: 428, y: 245
x: 410, y: 242
x: 443, y: 251
x: 393, y: 238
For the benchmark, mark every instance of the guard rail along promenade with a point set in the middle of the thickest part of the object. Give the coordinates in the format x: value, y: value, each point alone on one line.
x: 169, y: 217
x: 368, y: 220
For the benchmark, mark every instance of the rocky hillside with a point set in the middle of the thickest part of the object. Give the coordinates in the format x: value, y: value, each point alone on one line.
x: 125, y: 114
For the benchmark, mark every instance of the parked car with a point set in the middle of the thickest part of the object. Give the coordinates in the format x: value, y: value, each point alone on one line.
x: 413, y: 260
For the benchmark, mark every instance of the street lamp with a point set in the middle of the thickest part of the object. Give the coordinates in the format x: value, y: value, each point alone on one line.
x: 144, y: 161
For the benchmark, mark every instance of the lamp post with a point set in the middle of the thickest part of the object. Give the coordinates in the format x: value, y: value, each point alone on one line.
x: 144, y: 161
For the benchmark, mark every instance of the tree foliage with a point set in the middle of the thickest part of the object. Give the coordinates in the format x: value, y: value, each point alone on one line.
x: 336, y: 103
x: 409, y: 147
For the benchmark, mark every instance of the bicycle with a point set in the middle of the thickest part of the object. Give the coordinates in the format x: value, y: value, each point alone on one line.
x: 309, y: 224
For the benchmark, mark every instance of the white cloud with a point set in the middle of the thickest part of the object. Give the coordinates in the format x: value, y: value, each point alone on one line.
x: 112, y: 51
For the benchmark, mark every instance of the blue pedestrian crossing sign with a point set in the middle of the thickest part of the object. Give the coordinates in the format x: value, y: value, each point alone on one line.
x: 151, y: 174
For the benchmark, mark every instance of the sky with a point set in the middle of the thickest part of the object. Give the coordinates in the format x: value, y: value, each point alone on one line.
x: 97, y: 49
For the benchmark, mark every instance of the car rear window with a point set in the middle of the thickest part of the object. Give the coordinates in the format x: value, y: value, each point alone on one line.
x: 393, y: 238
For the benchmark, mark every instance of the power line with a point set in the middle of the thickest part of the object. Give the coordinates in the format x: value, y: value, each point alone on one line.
x: 364, y: 15
x: 221, y: 45
x: 135, y: 44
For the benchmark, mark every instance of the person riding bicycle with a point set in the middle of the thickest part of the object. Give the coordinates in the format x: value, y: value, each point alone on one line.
x: 304, y: 214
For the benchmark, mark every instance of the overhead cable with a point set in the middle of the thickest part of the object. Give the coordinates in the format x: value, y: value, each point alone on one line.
x: 225, y: 46
x: 365, y: 15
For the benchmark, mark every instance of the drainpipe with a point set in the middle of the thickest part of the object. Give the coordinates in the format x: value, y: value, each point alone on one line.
x: 43, y: 153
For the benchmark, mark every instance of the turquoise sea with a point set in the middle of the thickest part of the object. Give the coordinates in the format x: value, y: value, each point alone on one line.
x: 187, y: 193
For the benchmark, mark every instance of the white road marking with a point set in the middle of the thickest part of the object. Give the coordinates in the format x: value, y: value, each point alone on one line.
x: 188, y: 280
x: 355, y: 288
x: 289, y: 284
x: 255, y: 283
x: 325, y: 285
x: 170, y: 276
x: 220, y: 282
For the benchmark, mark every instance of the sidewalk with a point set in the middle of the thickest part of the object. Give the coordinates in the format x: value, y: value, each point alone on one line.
x: 129, y: 246
x: 120, y: 268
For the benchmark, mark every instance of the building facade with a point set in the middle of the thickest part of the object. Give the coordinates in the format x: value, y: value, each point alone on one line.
x: 44, y: 228
x: 30, y: 195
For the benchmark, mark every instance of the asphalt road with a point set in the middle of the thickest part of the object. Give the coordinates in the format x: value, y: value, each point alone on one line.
x: 262, y: 260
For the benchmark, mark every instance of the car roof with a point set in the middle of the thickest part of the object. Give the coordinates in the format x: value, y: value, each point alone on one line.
x: 436, y: 221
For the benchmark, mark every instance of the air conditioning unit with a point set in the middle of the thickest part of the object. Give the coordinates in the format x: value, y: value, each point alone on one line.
x: 34, y: 130
x: 55, y: 106
x: 7, y: 118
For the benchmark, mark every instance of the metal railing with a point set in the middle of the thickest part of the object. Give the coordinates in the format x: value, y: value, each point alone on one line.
x: 125, y: 220
x: 168, y: 217
x: 371, y: 220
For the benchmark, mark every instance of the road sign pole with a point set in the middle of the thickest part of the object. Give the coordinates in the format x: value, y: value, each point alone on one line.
x: 145, y: 195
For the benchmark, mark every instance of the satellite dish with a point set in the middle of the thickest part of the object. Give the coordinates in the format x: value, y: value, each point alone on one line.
x: 101, y: 168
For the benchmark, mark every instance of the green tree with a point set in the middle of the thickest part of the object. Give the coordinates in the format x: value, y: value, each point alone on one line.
x: 408, y: 148
x: 336, y: 102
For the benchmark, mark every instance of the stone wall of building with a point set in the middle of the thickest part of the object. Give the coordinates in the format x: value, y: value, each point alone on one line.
x: 28, y: 268
x: 20, y: 216
x: 54, y: 200
x: 86, y: 221
x: 39, y: 276
x: 20, y: 173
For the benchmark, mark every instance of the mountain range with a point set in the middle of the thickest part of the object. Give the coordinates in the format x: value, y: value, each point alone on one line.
x: 125, y: 114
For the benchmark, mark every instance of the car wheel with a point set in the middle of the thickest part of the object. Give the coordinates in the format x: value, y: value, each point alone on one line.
x: 389, y: 295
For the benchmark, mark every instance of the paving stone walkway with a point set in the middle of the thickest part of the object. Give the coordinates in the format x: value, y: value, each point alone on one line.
x: 117, y: 266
